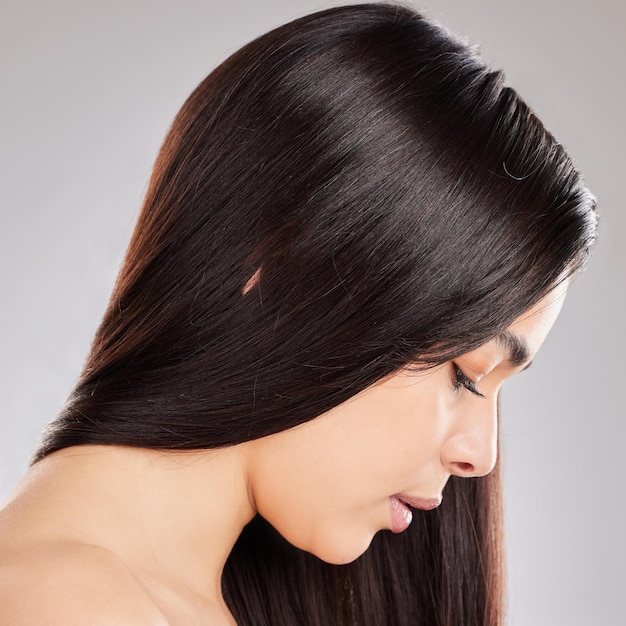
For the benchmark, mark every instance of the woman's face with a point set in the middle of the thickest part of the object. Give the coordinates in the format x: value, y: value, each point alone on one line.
x: 330, y: 484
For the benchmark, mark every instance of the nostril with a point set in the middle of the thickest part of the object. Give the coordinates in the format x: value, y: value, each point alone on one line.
x: 468, y: 454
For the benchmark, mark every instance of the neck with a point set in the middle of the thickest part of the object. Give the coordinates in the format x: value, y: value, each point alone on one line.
x: 172, y: 516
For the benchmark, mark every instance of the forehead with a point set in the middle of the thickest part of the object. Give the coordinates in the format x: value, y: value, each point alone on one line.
x: 534, y: 325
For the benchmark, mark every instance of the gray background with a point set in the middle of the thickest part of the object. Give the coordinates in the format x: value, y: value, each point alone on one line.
x: 88, y: 90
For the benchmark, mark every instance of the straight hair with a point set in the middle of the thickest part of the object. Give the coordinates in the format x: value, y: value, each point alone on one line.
x: 349, y: 194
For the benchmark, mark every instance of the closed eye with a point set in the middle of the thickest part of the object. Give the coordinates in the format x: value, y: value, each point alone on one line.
x: 461, y: 380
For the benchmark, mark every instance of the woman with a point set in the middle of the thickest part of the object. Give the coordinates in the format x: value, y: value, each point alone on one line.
x: 353, y: 235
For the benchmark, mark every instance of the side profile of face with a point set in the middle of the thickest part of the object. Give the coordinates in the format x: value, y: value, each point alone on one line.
x: 329, y: 485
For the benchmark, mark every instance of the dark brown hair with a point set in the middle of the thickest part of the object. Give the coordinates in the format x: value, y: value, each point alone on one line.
x: 398, y: 204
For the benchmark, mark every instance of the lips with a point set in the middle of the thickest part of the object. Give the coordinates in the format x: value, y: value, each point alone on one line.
x: 425, y: 504
x: 401, y: 515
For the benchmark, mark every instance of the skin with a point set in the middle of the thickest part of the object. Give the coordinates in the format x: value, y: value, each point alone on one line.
x: 325, y: 485
x: 111, y: 535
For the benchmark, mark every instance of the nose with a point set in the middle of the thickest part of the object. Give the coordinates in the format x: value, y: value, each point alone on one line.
x: 472, y: 449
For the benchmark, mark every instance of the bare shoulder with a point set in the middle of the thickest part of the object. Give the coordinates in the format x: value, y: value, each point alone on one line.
x: 71, y: 584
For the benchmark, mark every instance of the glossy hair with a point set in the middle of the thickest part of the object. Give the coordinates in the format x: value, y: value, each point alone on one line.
x: 348, y: 194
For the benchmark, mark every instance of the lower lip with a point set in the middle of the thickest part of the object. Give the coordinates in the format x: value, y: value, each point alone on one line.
x: 401, y: 515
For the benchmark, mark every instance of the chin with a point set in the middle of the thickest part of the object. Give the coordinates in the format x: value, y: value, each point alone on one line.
x: 342, y: 550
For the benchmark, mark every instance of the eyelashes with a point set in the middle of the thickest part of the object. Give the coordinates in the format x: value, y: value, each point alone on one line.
x: 461, y: 380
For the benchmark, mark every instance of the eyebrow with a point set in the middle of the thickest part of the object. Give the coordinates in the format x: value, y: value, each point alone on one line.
x: 518, y: 349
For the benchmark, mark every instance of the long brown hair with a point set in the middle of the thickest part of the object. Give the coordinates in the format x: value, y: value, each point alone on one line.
x: 396, y: 204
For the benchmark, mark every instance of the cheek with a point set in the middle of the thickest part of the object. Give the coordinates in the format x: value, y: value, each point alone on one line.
x: 325, y: 485
x: 310, y: 503
x: 417, y: 419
